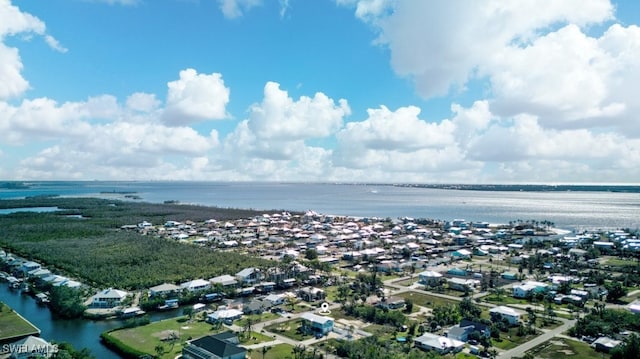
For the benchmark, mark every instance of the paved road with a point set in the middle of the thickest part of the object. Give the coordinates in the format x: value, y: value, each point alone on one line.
x: 278, y: 339
x: 521, y: 349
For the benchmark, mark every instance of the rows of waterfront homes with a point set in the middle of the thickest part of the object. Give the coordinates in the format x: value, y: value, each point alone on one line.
x: 360, y: 244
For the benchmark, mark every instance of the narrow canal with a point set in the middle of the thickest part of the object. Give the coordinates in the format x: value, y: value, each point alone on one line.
x: 79, y: 332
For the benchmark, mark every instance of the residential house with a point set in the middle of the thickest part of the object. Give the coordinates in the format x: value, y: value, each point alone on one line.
x: 226, y: 315
x: 316, y: 324
x: 255, y: 307
x: 196, y: 285
x: 39, y: 273
x: 225, y: 280
x: 463, y: 285
x: 505, y: 313
x: 163, y: 289
x: 249, y: 276
x: 392, y: 303
x: 440, y: 344
x: 311, y: 294
x: 219, y: 346
x: 457, y: 272
x: 275, y: 299
x: 526, y: 288
x: 27, y: 267
x: 605, y: 344
x: 430, y: 278
x: 388, y: 266
x: 462, y: 331
x: 31, y: 347
x: 265, y: 287
x: 108, y: 298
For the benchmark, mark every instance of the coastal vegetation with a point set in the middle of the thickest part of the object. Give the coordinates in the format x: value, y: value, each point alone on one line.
x: 67, y: 302
x: 376, y: 348
x: 95, y: 250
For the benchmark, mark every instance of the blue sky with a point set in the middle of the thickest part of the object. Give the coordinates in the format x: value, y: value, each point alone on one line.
x: 328, y: 90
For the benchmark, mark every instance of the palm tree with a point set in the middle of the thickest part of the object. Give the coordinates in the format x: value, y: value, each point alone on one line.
x: 173, y: 338
x: 248, y: 326
x: 297, y: 351
x: 265, y: 349
x: 159, y: 350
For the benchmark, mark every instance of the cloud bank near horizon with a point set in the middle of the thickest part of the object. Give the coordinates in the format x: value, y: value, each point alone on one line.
x: 558, y: 104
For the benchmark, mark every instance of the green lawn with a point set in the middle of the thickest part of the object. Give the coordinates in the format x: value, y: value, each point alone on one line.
x: 11, y: 324
x: 504, y: 299
x: 257, y: 318
x: 255, y: 338
x: 616, y: 262
x: 280, y: 351
x: 145, y: 338
x: 407, y: 282
x: 562, y: 348
x: 510, y: 339
x: 289, y: 329
x: 427, y: 300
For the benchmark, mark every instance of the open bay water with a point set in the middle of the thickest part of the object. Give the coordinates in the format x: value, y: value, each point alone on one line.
x: 573, y: 210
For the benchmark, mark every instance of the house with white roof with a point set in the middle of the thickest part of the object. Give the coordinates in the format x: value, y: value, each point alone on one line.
x: 163, y: 289
x: 224, y: 280
x: 228, y: 315
x: 430, y: 277
x: 32, y: 347
x: 502, y: 312
x: 108, y: 298
x: 249, y: 276
x: 523, y: 290
x: 440, y: 344
x: 196, y: 285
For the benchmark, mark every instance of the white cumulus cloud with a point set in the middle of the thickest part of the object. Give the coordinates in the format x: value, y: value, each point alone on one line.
x: 13, y: 21
x: 278, y: 116
x: 196, y: 97
x: 232, y: 9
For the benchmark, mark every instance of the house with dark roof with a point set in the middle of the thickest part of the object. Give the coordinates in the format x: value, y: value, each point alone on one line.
x: 219, y: 346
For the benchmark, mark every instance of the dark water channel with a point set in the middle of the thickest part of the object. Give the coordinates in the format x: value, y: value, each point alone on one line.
x: 80, y: 333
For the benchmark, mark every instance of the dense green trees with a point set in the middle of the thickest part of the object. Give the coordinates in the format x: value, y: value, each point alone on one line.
x: 630, y: 349
x: 376, y: 315
x: 377, y: 348
x: 605, y: 322
x: 97, y: 252
x: 67, y: 302
x: 615, y: 291
x: 67, y: 351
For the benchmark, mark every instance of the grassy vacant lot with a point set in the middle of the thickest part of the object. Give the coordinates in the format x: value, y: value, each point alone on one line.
x: 510, y: 339
x: 427, y: 300
x: 279, y: 351
x: 145, y: 338
x: 617, y: 262
x: 96, y: 251
x: 407, y: 282
x: 562, y: 348
x: 12, y: 325
x: 257, y: 318
x: 504, y: 299
x: 255, y: 338
x: 289, y: 329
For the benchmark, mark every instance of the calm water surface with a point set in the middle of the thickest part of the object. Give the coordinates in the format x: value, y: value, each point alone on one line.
x: 80, y: 333
x: 566, y: 209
